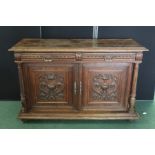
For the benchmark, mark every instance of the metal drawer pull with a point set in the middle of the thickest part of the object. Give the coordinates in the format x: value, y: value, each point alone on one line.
x: 75, y: 88
x: 108, y: 58
x: 80, y: 88
x: 47, y: 60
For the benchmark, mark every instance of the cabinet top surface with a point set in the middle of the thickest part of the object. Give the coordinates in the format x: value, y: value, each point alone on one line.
x: 82, y: 45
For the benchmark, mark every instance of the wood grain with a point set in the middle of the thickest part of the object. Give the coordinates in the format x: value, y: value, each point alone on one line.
x: 78, y: 45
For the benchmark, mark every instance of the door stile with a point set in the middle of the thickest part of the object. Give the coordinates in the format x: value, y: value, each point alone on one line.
x: 80, y: 86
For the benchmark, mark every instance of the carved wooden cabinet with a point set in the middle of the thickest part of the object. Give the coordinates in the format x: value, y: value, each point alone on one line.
x: 78, y: 78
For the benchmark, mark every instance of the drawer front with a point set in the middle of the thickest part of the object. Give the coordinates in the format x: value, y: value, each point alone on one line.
x: 109, y: 57
x: 75, y: 57
x: 46, y: 57
x: 49, y: 86
x: 106, y: 86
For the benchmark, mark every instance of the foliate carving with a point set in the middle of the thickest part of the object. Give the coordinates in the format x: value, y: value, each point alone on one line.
x: 78, y: 56
x: 105, y: 87
x: 139, y: 57
x: 51, y: 86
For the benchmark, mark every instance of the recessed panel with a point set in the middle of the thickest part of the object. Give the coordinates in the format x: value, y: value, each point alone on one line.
x: 106, y: 86
x: 50, y: 85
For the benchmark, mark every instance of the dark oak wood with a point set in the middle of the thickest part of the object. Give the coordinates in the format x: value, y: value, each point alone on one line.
x: 78, y: 78
x: 69, y: 45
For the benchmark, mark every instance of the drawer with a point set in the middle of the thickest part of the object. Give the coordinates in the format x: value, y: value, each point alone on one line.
x: 44, y: 57
x: 107, y: 57
x: 75, y: 56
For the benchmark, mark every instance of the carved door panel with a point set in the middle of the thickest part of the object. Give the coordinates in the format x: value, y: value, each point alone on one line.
x: 106, y: 86
x: 51, y: 86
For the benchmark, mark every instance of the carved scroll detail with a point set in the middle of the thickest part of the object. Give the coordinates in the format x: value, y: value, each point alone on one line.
x: 51, y: 86
x: 105, y: 87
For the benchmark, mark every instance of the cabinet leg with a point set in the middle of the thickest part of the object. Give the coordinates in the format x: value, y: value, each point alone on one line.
x: 132, y: 104
x: 25, y: 121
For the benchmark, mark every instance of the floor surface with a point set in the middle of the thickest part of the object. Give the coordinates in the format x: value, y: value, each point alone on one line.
x: 10, y: 109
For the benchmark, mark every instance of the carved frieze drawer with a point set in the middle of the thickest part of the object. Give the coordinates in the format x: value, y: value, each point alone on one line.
x: 107, y: 57
x: 127, y: 57
x: 47, y: 57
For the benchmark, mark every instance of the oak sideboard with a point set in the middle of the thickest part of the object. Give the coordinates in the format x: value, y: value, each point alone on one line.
x: 78, y: 78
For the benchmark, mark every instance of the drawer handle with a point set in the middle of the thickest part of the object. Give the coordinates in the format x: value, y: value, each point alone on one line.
x: 75, y: 88
x: 80, y: 88
x: 47, y: 60
x: 108, y: 58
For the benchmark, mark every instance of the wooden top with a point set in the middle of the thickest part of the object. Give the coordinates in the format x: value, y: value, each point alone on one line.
x: 82, y: 45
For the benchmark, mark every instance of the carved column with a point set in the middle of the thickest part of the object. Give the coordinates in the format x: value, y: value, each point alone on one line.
x: 133, y: 89
x: 138, y: 60
x: 22, y: 94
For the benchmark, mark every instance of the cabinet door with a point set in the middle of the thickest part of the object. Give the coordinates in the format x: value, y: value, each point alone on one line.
x: 106, y: 86
x: 49, y: 86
